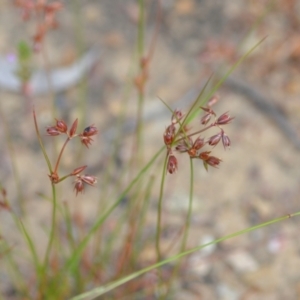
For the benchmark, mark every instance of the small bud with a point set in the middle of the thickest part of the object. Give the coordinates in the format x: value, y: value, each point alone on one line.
x: 89, y: 179
x: 215, y: 139
x: 213, y: 161
x: 204, y: 155
x: 90, y: 131
x: 73, y: 128
x: 169, y: 134
x: 199, y: 143
x: 79, y: 186
x: 205, y: 119
x: 85, y: 140
x: 172, y: 164
x: 78, y: 170
x: 52, y: 131
x: 224, y: 119
x: 61, y: 126
x: 226, y: 141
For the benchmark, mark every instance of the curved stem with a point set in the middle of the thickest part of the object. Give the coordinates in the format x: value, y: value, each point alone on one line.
x: 159, y: 211
x: 51, y: 238
x: 60, y: 155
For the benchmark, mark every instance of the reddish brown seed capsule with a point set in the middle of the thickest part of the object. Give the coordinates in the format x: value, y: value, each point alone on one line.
x: 172, y: 164
x: 199, y: 143
x: 205, y: 119
x: 169, y: 134
x: 224, y: 119
x: 79, y: 186
x: 226, y: 141
x: 61, y: 126
x: 53, y: 131
x: 78, y: 170
x: 90, y: 131
x: 73, y: 128
x: 204, y: 155
x: 215, y: 139
x: 89, y: 179
x: 213, y: 161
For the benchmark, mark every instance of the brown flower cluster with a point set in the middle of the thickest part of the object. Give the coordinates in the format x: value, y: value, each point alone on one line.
x: 86, y: 139
x: 179, y: 137
x: 45, y: 15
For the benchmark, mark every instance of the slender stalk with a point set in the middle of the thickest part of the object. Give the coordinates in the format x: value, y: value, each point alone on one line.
x: 51, y: 239
x: 186, y: 230
x: 159, y: 212
x: 41, y: 142
x: 60, y: 155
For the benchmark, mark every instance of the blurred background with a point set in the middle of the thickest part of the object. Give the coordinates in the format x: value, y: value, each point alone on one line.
x: 259, y: 177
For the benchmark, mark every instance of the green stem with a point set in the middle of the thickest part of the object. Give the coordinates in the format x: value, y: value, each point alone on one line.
x: 186, y: 229
x: 159, y: 211
x: 52, y: 232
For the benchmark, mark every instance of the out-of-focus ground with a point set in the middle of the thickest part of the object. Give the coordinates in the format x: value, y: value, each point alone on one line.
x: 259, y: 178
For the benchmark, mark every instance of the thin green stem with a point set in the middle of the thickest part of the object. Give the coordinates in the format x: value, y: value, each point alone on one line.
x: 41, y: 143
x: 159, y: 211
x: 53, y: 221
x: 52, y: 232
x: 186, y: 229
